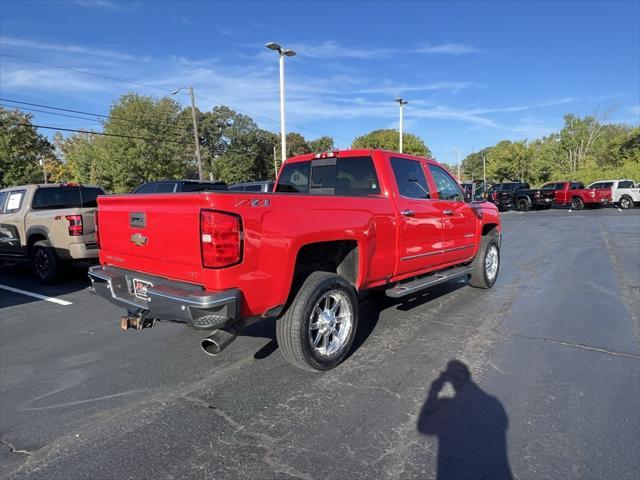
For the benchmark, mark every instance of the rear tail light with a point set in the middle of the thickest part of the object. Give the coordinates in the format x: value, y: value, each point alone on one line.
x: 95, y: 222
x: 220, y: 238
x: 75, y: 225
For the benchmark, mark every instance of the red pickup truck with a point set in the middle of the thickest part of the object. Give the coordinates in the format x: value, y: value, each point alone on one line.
x: 337, y: 224
x: 576, y: 196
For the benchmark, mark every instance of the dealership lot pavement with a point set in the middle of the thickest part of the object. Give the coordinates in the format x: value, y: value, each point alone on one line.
x: 553, y: 351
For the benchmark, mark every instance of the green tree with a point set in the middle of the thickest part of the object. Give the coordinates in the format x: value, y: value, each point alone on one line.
x: 509, y: 161
x: 322, y: 144
x: 388, y: 139
x: 472, y: 165
x: 165, y: 148
x: 21, y: 149
x: 239, y: 151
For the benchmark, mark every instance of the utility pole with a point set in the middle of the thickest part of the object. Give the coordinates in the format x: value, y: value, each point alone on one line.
x: 484, y: 171
x: 459, y: 152
x: 402, y: 103
x: 195, y: 131
x: 275, y: 161
x: 283, y: 52
x: 44, y: 170
x: 195, y: 127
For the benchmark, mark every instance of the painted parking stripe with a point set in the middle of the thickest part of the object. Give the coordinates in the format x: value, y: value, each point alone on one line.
x: 36, y: 295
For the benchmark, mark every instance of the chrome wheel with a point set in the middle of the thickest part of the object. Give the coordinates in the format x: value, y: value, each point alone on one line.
x: 491, y: 261
x: 625, y: 203
x: 41, y: 263
x: 330, y: 323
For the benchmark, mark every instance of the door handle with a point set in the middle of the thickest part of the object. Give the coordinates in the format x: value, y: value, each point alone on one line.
x: 408, y: 213
x: 448, y: 212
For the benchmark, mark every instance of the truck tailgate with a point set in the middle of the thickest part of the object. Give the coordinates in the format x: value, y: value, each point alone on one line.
x: 156, y: 234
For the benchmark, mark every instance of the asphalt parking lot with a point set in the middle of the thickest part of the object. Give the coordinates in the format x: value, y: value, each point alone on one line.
x: 553, y: 351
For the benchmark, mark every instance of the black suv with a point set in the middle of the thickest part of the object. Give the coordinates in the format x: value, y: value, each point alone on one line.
x: 175, y: 186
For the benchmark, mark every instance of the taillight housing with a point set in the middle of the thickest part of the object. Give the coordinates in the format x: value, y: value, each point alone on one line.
x: 220, y: 239
x: 75, y: 225
x: 95, y: 226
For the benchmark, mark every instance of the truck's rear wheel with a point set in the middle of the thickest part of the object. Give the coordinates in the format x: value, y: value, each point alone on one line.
x: 46, y: 265
x: 626, y: 202
x: 486, y: 264
x: 318, y: 328
x: 577, y: 203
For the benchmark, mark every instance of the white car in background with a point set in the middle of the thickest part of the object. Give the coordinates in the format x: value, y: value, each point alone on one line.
x: 623, y: 192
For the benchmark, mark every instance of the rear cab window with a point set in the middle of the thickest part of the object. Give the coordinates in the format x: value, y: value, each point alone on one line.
x: 346, y: 176
x: 65, y: 197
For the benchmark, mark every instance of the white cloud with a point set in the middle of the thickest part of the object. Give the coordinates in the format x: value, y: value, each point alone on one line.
x: 446, y: 48
x: 68, y: 48
x: 635, y: 110
x: 106, y: 4
x: 331, y: 49
x: 48, y: 80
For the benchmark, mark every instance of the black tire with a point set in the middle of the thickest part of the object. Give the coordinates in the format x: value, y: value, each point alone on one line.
x: 479, y: 276
x: 293, y: 328
x: 48, y: 268
x: 577, y: 203
x: 626, y: 202
x: 523, y: 205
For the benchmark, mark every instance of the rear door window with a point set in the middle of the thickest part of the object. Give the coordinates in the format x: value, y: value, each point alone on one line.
x: 14, y: 201
x: 253, y: 188
x: 625, y: 184
x: 576, y: 186
x: 146, y: 188
x: 410, y: 178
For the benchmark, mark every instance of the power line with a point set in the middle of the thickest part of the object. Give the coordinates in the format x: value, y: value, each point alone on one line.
x: 130, y: 122
x: 116, y: 79
x: 48, y: 127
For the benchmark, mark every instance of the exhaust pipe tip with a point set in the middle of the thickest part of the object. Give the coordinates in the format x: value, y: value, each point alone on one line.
x: 218, y: 341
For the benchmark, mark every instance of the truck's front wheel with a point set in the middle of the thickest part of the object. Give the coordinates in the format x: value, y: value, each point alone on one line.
x: 577, y: 203
x: 318, y: 328
x: 486, y: 264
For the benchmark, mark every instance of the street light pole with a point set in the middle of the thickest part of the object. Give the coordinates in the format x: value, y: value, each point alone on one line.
x: 283, y: 52
x: 402, y: 103
x: 195, y: 127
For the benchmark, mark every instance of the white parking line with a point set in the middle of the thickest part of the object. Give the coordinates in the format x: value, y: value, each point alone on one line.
x: 36, y: 295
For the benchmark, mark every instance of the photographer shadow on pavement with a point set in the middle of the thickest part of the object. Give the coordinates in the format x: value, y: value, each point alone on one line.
x: 471, y: 427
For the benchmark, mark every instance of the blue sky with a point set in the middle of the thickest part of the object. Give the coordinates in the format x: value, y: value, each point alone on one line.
x: 474, y: 73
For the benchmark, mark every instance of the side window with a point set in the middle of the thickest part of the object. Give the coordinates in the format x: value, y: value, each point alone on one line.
x: 596, y: 185
x: 448, y: 188
x: 146, y: 188
x: 166, y: 187
x: 607, y: 184
x: 3, y: 196
x: 576, y: 186
x: 253, y: 188
x: 14, y: 201
x: 625, y: 184
x: 236, y: 188
x: 410, y: 178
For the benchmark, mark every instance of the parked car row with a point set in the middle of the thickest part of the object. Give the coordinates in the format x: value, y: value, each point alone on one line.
x: 520, y: 196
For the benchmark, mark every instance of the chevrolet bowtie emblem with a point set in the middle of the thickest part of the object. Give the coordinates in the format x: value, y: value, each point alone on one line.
x: 138, y: 239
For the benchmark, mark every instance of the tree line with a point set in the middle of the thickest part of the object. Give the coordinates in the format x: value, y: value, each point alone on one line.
x: 585, y: 149
x: 145, y: 138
